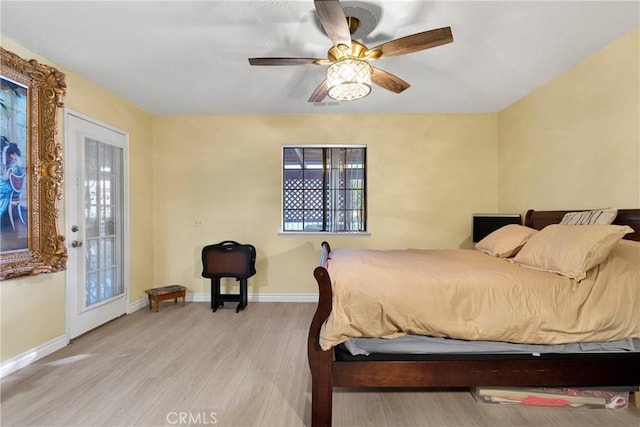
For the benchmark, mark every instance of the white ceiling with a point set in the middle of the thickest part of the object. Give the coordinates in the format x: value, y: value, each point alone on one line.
x: 190, y: 57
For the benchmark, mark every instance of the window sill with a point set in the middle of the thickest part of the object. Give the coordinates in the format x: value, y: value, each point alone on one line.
x: 324, y: 233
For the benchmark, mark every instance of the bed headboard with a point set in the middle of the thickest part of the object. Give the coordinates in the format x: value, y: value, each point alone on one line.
x: 540, y: 219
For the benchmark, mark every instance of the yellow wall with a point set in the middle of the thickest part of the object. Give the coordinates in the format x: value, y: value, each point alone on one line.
x: 575, y: 142
x: 426, y: 175
x: 33, y: 308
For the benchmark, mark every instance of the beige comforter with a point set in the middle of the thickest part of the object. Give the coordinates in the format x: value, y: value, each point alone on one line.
x: 467, y: 294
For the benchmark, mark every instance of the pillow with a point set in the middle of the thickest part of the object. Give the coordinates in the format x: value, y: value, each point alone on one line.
x: 506, y: 241
x: 599, y: 216
x: 569, y: 250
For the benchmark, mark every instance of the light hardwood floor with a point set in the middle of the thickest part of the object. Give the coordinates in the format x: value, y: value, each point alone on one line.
x: 189, y: 366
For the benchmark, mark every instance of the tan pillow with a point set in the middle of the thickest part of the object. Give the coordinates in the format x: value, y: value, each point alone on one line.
x: 570, y: 250
x: 599, y: 216
x: 506, y: 241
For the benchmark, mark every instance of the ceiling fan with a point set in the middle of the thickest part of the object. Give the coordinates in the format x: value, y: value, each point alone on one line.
x: 349, y: 75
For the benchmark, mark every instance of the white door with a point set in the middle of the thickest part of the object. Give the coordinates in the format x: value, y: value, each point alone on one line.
x: 96, y: 189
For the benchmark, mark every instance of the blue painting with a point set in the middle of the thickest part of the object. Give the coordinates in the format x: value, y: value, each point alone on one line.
x: 14, y: 157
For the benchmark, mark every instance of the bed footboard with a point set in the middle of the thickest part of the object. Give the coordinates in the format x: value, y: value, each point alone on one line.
x: 320, y: 362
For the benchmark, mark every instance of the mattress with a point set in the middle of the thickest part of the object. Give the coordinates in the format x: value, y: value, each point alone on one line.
x: 417, y: 344
x: 468, y: 295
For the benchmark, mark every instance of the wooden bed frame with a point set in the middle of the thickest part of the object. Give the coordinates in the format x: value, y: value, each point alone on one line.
x: 576, y: 370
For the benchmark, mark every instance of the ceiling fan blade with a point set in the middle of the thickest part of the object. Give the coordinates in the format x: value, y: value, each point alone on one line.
x: 388, y: 81
x: 333, y: 21
x: 320, y: 93
x: 416, y: 42
x: 283, y: 61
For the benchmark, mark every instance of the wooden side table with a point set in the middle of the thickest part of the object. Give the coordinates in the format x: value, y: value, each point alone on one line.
x: 164, y: 293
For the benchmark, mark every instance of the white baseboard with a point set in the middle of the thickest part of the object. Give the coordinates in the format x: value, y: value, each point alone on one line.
x: 206, y: 297
x: 10, y: 366
x: 283, y: 298
x: 137, y: 305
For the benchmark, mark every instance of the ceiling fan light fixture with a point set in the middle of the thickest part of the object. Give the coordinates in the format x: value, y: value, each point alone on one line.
x: 349, y: 79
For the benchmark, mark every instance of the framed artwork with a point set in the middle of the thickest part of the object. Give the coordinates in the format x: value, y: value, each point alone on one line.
x: 31, y: 168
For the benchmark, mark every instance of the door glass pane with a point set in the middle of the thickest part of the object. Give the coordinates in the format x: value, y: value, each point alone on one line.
x: 101, y: 262
x: 91, y: 155
x: 103, y: 221
x: 91, y: 222
x: 109, y: 283
x: 91, y: 289
x: 109, y: 254
x: 91, y: 254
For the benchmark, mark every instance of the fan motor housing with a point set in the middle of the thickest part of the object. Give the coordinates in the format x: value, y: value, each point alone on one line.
x: 356, y: 51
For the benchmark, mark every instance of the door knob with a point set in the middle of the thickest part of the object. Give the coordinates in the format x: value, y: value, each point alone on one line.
x: 76, y: 244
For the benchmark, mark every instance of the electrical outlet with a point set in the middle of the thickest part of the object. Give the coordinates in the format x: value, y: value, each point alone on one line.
x: 197, y: 223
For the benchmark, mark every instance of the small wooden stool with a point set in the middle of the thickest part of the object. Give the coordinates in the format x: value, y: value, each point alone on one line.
x: 164, y: 293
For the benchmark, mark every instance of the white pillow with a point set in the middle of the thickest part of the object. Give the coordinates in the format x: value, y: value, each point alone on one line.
x: 598, y: 216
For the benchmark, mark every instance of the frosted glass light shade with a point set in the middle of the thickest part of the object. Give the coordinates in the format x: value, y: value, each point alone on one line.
x: 349, y: 79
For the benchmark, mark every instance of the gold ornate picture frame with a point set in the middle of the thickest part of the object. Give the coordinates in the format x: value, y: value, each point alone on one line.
x: 31, y: 168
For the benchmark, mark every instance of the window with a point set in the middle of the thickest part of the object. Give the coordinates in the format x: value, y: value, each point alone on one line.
x: 324, y: 189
